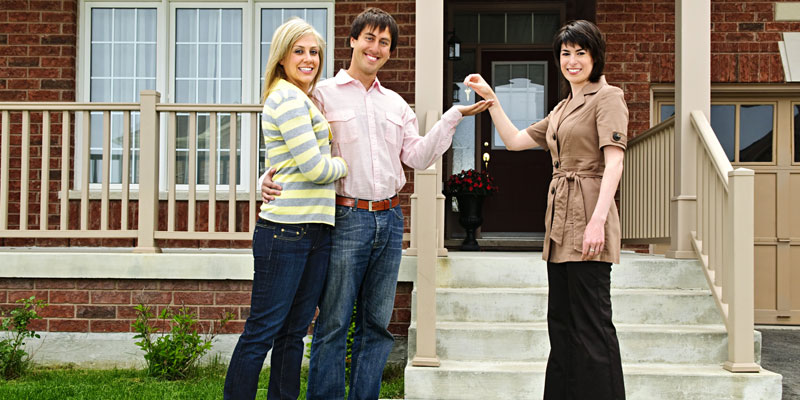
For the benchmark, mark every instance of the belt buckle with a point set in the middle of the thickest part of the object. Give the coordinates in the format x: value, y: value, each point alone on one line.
x: 370, y: 205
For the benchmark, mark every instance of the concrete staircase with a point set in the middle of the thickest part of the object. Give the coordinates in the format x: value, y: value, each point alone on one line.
x: 492, y: 332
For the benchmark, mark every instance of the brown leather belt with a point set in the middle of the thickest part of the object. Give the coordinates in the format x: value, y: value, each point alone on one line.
x: 377, y: 205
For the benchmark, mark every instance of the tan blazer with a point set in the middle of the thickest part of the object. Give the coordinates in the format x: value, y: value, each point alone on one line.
x: 574, y: 133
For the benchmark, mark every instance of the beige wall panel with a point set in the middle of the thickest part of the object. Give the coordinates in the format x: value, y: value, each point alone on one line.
x: 794, y: 276
x: 765, y: 275
x: 794, y: 208
x: 765, y: 205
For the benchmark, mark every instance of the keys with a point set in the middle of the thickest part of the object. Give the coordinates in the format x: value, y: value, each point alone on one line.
x: 467, y: 90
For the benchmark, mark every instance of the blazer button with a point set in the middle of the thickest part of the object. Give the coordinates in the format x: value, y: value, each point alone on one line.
x: 616, y: 136
x: 554, y: 137
x: 556, y: 164
x: 553, y: 191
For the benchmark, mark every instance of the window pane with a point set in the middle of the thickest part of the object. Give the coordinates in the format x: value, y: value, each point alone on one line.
x: 270, y: 20
x: 101, y: 90
x: 185, y: 91
x: 667, y: 110
x: 318, y: 18
x: 123, y: 91
x: 124, y: 25
x: 123, y: 57
x: 206, y: 91
x: 525, y: 99
x: 466, y: 27
x: 101, y: 60
x: 293, y: 12
x: 545, y: 27
x: 187, y: 67
x: 797, y: 133
x: 723, y: 122
x: 209, y: 25
x: 145, y: 54
x: 493, y: 28
x: 146, y: 25
x: 464, y: 66
x: 232, y: 61
x: 207, y: 59
x: 186, y: 25
x: 231, y: 27
x: 231, y: 91
x: 101, y: 24
x: 755, y: 133
x: 519, y: 28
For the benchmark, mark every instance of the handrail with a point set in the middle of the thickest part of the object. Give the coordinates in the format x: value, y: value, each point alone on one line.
x: 712, y: 145
x: 653, y: 130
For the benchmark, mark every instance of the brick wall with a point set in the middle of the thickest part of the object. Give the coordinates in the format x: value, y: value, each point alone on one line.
x: 641, y: 47
x: 107, y: 305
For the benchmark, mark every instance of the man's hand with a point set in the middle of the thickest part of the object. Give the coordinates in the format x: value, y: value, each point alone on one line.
x: 269, y: 189
x: 476, y: 108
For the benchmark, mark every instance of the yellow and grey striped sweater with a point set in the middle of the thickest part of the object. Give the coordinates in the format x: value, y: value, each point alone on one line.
x: 297, y: 139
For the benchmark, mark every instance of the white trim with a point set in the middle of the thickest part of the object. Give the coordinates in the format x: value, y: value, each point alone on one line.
x: 122, y: 263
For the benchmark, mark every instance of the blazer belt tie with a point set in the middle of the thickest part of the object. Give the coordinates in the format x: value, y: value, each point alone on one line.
x: 561, y: 197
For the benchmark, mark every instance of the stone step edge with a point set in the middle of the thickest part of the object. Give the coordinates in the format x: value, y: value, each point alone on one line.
x: 542, y: 326
x: 544, y: 290
x: 520, y: 367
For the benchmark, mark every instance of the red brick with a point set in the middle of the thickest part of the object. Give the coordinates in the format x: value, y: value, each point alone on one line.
x: 232, y: 298
x: 38, y: 325
x: 96, y: 284
x: 127, y: 312
x: 217, y: 313
x: 193, y: 298
x: 14, y: 295
x: 223, y: 285
x: 24, y: 16
x: 68, y: 325
x: 231, y: 327
x: 179, y: 285
x: 55, y: 283
x: 54, y: 311
x: 16, y: 283
x: 402, y: 301
x: 111, y: 297
x: 23, y: 62
x: 69, y: 296
x: 148, y: 298
x: 137, y: 284
x: 399, y: 329
x: 96, y: 312
x: 109, y: 326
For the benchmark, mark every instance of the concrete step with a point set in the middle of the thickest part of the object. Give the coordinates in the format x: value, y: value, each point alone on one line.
x: 630, y: 306
x: 521, y: 270
x: 663, y: 344
x: 525, y: 380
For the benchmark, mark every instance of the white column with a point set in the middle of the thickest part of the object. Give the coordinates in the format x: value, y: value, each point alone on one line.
x: 692, y: 92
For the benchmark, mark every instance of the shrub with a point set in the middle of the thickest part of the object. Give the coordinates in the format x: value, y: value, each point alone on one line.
x: 14, y: 360
x: 174, y: 354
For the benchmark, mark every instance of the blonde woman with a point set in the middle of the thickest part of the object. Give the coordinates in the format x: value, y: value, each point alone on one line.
x: 291, y: 241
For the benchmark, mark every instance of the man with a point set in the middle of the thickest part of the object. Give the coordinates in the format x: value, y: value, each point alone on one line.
x: 374, y: 130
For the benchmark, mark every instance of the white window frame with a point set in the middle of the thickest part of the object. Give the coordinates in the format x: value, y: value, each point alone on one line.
x: 165, y: 68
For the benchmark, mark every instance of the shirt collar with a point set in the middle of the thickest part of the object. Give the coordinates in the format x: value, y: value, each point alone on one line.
x: 343, y: 78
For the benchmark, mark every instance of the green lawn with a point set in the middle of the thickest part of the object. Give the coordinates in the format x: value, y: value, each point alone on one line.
x: 68, y: 383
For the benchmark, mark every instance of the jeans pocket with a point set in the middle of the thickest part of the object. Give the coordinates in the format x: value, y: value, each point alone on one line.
x: 343, y: 211
x: 289, y: 233
x: 398, y: 212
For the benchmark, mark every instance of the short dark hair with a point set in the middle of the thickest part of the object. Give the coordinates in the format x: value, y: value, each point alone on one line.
x: 586, y: 35
x: 372, y: 18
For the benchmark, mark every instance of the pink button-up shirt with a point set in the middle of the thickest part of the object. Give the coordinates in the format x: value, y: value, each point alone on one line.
x: 375, y: 130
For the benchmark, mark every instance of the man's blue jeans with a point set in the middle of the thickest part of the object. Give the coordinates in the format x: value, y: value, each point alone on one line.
x: 290, y: 262
x: 365, y: 258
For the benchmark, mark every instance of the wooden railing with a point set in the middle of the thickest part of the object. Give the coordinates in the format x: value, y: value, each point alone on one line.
x: 36, y: 184
x: 723, y: 240
x: 647, y: 184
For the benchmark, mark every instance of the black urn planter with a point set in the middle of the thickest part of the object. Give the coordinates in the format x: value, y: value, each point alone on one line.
x: 470, y: 207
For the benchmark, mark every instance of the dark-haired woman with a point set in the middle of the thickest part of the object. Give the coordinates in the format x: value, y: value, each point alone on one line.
x: 586, y: 135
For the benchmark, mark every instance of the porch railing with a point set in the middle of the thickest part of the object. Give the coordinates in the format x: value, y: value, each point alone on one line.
x: 723, y: 240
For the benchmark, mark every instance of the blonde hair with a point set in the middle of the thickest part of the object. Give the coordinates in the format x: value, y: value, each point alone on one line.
x: 282, y: 42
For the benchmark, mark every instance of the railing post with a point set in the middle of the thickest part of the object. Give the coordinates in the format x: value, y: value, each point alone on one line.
x: 741, y: 356
x: 425, y: 189
x: 692, y: 92
x: 148, y: 172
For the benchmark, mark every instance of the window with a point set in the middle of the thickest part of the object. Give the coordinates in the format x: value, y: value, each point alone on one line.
x: 514, y: 27
x: 522, y: 86
x: 745, y: 130
x: 796, y: 129
x: 123, y: 62
x: 191, y: 52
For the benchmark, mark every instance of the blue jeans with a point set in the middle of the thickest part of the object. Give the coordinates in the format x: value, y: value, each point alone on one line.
x: 290, y: 262
x: 365, y: 258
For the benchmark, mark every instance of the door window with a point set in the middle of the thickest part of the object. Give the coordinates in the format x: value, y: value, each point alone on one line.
x: 522, y: 87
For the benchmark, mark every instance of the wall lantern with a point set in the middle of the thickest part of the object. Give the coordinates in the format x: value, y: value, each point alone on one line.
x: 456, y: 92
x: 453, y: 48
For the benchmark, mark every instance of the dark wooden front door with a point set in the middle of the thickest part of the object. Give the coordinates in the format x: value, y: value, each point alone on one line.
x: 526, y: 83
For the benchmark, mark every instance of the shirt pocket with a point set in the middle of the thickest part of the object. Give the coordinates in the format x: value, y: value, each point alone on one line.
x: 393, y: 128
x: 343, y: 125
